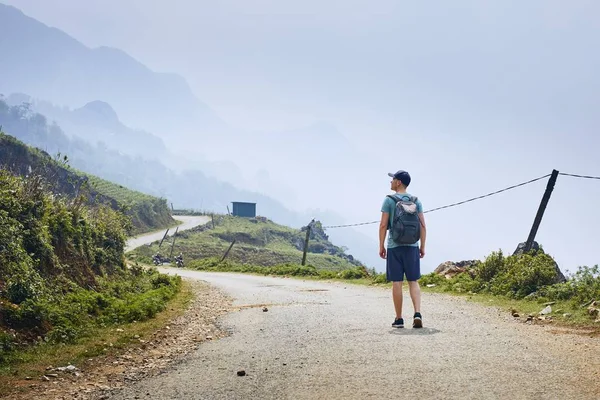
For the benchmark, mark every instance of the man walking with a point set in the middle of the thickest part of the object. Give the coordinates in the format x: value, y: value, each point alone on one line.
x: 402, y: 215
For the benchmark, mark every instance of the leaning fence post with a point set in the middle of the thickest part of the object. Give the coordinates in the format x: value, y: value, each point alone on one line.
x: 173, y: 244
x: 165, y: 235
x: 540, y: 212
x: 306, y: 242
x: 227, y: 252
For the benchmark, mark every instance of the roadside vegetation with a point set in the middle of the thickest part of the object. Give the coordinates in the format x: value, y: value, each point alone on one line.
x: 62, y: 271
x: 146, y: 212
x: 525, y: 285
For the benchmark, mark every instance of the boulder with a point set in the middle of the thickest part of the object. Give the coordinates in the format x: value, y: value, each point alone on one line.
x: 450, y: 269
x: 535, y: 247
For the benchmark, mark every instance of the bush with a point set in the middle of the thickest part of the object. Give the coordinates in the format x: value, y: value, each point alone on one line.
x: 582, y: 287
x: 491, y: 267
x: 354, y: 273
x: 433, y: 279
x: 27, y: 285
x: 524, y: 274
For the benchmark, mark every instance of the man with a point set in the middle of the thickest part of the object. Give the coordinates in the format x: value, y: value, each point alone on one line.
x: 402, y: 259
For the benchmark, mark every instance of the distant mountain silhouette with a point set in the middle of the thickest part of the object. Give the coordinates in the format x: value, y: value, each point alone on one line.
x: 49, y: 64
x: 96, y: 122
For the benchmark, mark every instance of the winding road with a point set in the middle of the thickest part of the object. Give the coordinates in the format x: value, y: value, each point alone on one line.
x: 188, y: 222
x: 327, y: 340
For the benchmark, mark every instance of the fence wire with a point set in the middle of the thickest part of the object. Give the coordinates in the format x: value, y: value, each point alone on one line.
x: 456, y: 204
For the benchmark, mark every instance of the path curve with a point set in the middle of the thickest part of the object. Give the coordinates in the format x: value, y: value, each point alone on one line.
x: 188, y: 222
x: 334, y: 341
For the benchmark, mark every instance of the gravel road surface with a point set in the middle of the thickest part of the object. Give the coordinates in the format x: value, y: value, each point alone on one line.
x: 323, y: 340
x: 188, y: 223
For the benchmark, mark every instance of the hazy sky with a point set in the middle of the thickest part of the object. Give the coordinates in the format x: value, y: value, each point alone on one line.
x: 469, y: 96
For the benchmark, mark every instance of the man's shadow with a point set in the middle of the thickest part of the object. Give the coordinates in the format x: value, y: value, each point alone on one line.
x: 412, y: 331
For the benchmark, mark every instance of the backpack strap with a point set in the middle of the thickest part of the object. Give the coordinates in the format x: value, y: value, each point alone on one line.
x: 396, y: 199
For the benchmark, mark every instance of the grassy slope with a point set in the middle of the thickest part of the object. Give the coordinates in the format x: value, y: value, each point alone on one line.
x: 257, y: 243
x: 147, y: 212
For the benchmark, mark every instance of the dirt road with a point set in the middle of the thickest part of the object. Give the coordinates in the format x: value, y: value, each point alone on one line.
x: 334, y: 341
x: 188, y: 223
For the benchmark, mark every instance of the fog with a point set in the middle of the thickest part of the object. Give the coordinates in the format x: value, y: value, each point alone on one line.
x: 313, y: 103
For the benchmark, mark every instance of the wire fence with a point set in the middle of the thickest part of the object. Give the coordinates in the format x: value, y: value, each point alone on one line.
x: 580, y: 176
x: 474, y: 198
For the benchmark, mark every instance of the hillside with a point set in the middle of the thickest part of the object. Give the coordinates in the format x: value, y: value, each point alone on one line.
x: 145, y: 212
x: 258, y: 241
x: 62, y: 270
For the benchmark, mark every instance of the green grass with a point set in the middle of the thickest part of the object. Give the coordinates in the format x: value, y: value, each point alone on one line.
x: 258, y: 243
x: 118, y: 192
x: 577, y: 314
x: 102, y: 341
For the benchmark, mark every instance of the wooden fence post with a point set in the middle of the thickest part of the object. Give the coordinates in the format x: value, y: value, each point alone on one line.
x: 227, y: 252
x: 165, y: 235
x: 541, y: 209
x: 173, y: 244
x: 306, y: 242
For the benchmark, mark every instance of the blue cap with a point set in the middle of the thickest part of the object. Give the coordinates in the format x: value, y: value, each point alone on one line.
x: 402, y: 176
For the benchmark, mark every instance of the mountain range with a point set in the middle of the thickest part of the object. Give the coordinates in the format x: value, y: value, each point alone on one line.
x: 136, y: 119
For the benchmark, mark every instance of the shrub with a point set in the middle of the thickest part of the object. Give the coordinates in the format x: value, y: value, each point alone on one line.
x: 354, y: 273
x: 582, y: 287
x: 24, y: 286
x: 523, y: 275
x: 491, y: 267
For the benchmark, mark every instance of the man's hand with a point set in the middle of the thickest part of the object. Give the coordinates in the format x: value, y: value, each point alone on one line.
x: 422, y: 252
x: 382, y: 252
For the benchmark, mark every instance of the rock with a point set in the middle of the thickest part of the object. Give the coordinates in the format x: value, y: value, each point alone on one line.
x: 566, y: 315
x: 593, y: 311
x: 265, y: 309
x: 546, y: 310
x: 45, y: 378
x: 536, y: 248
x: 431, y: 285
x: 68, y: 368
x: 515, y: 314
x: 450, y: 269
x: 241, y: 373
x: 119, y: 330
x: 27, y: 378
x: 52, y: 375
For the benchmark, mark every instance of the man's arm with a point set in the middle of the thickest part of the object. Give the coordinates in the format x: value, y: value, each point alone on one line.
x: 423, y: 234
x: 385, y: 217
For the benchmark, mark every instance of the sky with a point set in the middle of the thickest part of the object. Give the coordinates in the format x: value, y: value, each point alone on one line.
x: 468, y: 96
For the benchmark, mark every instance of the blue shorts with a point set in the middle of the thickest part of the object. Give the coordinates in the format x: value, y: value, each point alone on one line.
x: 403, y: 260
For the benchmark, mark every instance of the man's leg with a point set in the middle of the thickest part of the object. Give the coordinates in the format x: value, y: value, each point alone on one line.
x: 397, y: 296
x: 413, y: 273
x: 415, y: 295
